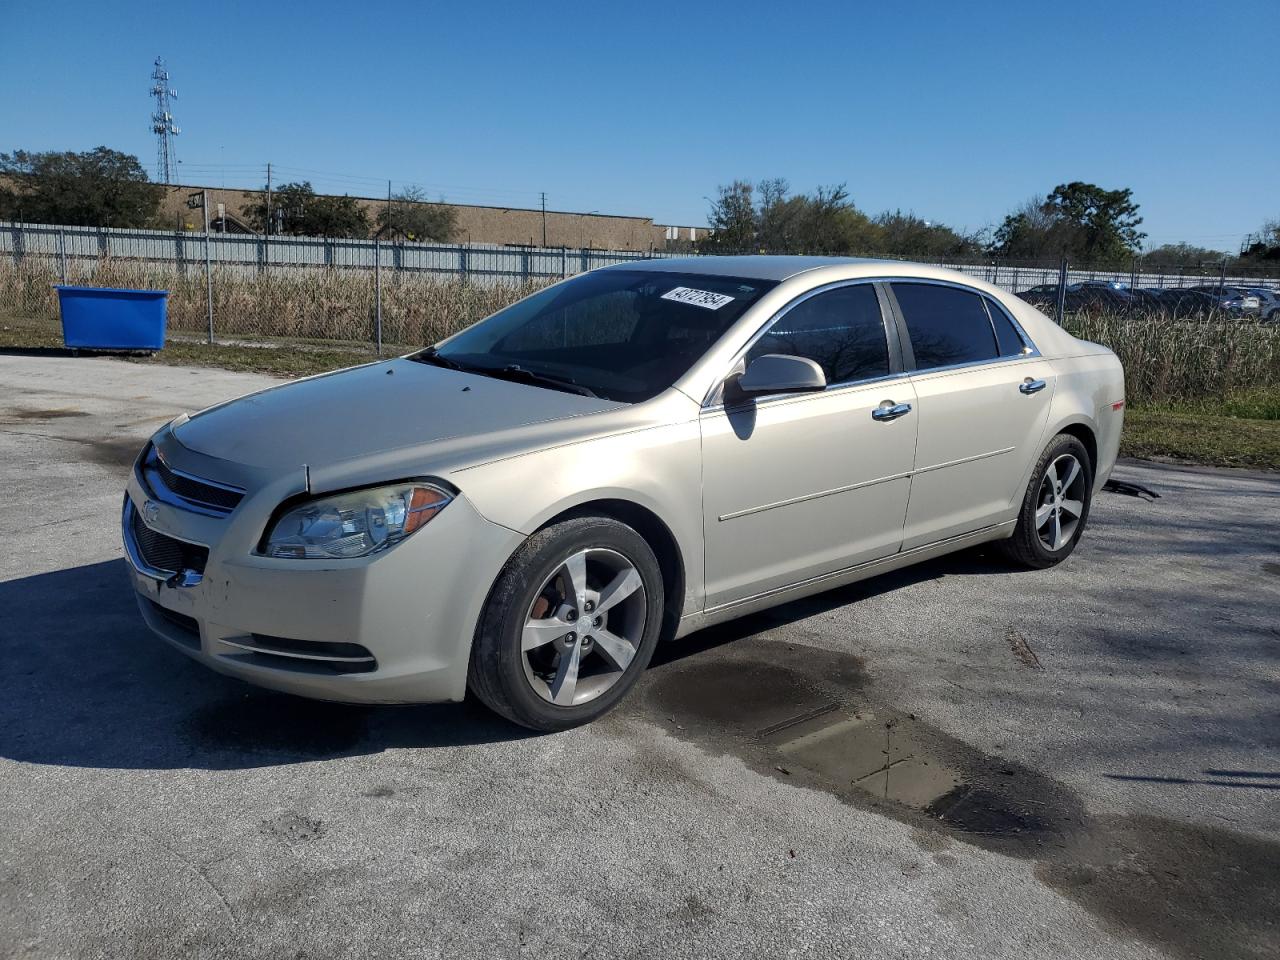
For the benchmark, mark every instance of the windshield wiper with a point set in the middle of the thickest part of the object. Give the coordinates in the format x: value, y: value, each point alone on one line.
x: 433, y: 356
x: 513, y: 371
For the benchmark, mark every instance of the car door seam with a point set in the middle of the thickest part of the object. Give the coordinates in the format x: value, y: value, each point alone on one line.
x: 812, y: 496
x: 962, y: 460
x: 859, y: 486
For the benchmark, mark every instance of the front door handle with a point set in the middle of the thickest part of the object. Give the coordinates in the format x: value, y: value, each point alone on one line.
x: 890, y: 411
x: 1029, y: 386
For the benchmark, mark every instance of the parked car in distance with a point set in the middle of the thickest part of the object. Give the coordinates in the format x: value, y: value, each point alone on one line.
x: 1234, y: 301
x: 1268, y: 303
x: 1105, y: 284
x: 528, y: 507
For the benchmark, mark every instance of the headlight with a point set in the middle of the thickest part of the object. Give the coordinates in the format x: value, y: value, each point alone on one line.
x: 357, y: 523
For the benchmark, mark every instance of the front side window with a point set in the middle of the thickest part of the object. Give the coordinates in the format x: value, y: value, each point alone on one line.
x: 841, y: 330
x: 946, y: 325
x: 624, y: 335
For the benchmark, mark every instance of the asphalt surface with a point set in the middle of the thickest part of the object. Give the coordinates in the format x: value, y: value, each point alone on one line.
x: 1086, y: 761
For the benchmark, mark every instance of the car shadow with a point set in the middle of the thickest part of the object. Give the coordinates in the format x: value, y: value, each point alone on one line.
x: 86, y: 684
x: 974, y: 561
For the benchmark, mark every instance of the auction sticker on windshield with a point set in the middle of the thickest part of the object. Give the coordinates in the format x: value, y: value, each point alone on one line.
x: 699, y: 298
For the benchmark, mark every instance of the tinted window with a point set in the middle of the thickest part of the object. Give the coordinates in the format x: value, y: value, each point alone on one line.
x: 840, y: 330
x: 946, y: 325
x: 1007, y: 338
x: 622, y: 334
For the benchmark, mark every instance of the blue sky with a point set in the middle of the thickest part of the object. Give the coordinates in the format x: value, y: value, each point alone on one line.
x: 954, y: 110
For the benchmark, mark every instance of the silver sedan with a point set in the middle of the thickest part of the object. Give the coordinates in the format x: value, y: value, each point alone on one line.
x: 529, y: 507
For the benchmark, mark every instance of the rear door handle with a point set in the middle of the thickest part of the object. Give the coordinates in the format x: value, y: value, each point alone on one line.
x: 1029, y: 386
x: 890, y: 411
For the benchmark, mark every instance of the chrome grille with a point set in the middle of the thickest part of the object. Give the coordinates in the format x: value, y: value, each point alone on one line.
x: 192, y: 491
x: 165, y: 553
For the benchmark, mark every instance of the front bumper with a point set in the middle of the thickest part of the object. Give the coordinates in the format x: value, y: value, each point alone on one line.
x: 395, y: 627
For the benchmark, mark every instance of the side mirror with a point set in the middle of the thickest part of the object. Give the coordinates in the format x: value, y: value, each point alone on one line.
x: 781, y: 373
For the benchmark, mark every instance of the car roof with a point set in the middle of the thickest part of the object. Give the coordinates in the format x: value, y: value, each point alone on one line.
x: 749, y: 267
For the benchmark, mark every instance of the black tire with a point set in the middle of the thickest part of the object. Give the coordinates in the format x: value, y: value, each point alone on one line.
x: 497, y: 673
x: 1026, y: 548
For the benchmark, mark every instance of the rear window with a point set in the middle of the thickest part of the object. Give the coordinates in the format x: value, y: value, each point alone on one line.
x: 946, y: 325
x: 1007, y: 338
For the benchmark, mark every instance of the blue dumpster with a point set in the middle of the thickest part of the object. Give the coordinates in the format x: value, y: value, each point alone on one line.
x: 102, y: 318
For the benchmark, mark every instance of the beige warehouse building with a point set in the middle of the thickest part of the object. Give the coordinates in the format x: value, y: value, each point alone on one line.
x: 475, y: 224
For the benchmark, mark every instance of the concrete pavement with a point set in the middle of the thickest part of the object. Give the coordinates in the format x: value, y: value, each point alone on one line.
x: 1086, y: 760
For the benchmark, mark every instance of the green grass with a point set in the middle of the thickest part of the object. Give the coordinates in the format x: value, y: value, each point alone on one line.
x: 1242, y: 430
x: 1201, y: 438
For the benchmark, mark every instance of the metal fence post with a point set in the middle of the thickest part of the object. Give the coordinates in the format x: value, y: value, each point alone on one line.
x: 1062, y: 291
x: 377, y: 288
x: 564, y: 262
x: 208, y: 274
x: 464, y: 263
x: 62, y: 252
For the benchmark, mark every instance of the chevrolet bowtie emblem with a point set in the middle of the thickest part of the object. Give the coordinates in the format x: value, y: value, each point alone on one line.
x: 151, y: 511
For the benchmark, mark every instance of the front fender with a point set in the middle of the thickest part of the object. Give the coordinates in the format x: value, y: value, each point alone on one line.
x: 658, y: 468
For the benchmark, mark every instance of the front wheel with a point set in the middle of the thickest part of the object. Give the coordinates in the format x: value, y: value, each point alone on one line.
x: 569, y: 626
x: 1055, y: 507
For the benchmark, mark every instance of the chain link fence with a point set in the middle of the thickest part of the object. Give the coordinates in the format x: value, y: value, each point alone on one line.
x: 225, y: 286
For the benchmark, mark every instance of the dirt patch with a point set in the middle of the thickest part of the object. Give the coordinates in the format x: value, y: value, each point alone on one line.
x: 1193, y: 891
x: 1022, y: 649
x: 26, y: 416
x: 810, y: 717
x: 115, y: 453
x: 293, y: 827
x: 814, y: 724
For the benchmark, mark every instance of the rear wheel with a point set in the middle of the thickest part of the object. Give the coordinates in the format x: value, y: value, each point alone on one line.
x: 569, y: 626
x: 1055, y: 507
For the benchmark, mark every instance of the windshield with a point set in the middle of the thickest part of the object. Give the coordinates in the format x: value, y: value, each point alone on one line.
x: 623, y: 335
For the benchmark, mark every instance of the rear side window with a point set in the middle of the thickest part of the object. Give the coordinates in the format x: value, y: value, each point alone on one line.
x: 1007, y: 337
x: 841, y: 330
x: 946, y: 325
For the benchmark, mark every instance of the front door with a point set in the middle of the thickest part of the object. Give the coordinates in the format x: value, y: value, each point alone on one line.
x: 797, y: 486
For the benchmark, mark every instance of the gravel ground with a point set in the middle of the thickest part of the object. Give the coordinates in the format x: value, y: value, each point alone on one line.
x: 1084, y: 762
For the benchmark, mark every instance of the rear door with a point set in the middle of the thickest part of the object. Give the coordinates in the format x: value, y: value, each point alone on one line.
x: 798, y: 486
x: 982, y: 399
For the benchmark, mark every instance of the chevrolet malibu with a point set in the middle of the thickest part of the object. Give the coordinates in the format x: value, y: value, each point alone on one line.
x: 527, y: 508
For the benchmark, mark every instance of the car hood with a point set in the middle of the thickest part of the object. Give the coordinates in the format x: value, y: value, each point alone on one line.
x: 362, y: 412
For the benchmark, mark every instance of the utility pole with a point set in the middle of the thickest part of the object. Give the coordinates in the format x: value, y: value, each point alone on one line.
x: 544, y: 218
x: 388, y: 208
x: 266, y: 233
x: 377, y: 292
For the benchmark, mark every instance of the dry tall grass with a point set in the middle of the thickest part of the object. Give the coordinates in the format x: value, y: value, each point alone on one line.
x: 320, y: 304
x: 1173, y: 362
x: 1167, y: 361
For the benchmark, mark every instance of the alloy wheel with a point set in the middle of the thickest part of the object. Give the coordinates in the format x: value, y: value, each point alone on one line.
x: 1060, y: 505
x: 584, y: 627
